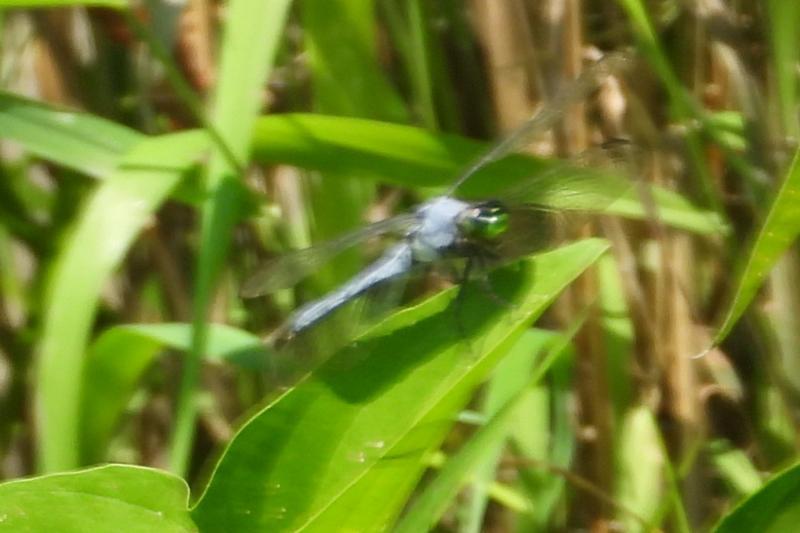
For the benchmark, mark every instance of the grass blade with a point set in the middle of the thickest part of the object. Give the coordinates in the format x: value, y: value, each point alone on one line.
x: 79, y: 141
x: 779, y: 231
x: 413, y: 157
x: 252, y: 34
x: 119, y: 357
x: 121, y: 4
x: 112, y: 218
x: 480, y: 454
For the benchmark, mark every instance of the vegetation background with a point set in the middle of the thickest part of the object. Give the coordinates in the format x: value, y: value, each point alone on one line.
x: 154, y: 153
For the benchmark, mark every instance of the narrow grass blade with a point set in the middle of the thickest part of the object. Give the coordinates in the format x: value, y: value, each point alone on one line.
x: 483, y: 449
x: 681, y: 104
x: 109, y: 222
x: 79, y: 141
x: 641, y: 463
x: 347, y: 80
x: 783, y: 34
x: 434, y: 500
x: 504, y: 382
x: 251, y: 37
x: 735, y: 468
x: 119, y: 357
x: 780, y: 229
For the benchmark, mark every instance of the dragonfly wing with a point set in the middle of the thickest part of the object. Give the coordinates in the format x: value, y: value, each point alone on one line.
x: 547, y: 116
x: 590, y: 181
x: 286, y: 270
x: 532, y: 228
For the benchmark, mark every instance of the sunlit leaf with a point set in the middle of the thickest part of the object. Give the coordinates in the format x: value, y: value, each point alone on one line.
x: 105, y: 499
x: 345, y: 447
x: 109, y: 222
x: 80, y: 141
x: 251, y: 37
x: 477, y: 458
x: 780, y: 230
x: 775, y: 508
x: 413, y: 157
x: 121, y: 354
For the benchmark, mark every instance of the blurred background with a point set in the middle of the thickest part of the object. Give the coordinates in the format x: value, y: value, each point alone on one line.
x: 646, y: 420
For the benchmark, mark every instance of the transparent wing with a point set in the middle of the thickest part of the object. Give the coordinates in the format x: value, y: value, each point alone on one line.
x: 590, y: 181
x: 543, y: 209
x: 286, y: 270
x: 531, y: 229
x: 544, y: 118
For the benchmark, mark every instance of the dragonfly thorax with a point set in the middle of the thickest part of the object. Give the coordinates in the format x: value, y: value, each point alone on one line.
x: 438, y: 230
x: 446, y: 225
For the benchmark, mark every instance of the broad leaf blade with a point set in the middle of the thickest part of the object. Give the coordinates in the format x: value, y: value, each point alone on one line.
x: 105, y: 499
x: 344, y: 448
x: 773, y: 509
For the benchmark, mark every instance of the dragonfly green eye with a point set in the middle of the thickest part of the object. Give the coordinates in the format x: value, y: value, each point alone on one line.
x: 486, y: 221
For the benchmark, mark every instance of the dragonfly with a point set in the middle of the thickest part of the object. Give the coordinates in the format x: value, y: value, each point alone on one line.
x: 442, y: 228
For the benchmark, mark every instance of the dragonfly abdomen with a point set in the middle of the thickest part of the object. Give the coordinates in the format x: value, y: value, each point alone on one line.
x: 395, y: 262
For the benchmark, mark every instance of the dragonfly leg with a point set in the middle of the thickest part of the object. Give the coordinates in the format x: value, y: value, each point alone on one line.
x: 486, y: 285
x: 458, y: 304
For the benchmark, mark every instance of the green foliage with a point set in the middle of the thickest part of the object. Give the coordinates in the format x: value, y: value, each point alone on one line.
x: 452, y: 411
x: 779, y: 231
x: 97, y: 499
x: 772, y: 508
x: 347, y: 463
x: 111, y: 219
x: 63, y: 3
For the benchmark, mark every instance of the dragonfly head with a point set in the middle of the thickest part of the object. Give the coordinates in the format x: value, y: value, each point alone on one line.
x: 485, y: 220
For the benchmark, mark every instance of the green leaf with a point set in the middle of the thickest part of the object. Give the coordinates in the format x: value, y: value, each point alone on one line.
x: 119, y: 357
x: 773, y: 509
x: 79, y: 141
x: 109, y: 222
x: 344, y: 448
x: 514, y: 376
x: 641, y: 465
x: 779, y: 231
x: 431, y: 504
x: 782, y: 33
x: 735, y: 468
x: 414, y: 157
x: 63, y: 3
x: 342, y: 47
x: 110, y: 498
x: 251, y: 36
x: 479, y: 456
x: 346, y: 78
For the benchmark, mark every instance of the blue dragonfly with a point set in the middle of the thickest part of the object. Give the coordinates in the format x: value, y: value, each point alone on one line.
x: 445, y: 227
